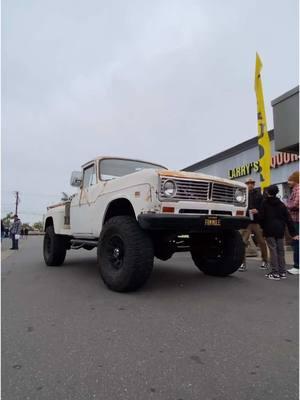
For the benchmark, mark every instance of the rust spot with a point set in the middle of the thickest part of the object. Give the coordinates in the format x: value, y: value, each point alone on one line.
x: 157, y: 208
x: 137, y: 194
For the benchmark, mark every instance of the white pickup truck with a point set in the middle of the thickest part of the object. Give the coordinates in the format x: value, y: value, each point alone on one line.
x: 134, y: 210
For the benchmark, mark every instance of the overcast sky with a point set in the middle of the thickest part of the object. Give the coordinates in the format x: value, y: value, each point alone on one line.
x: 167, y: 81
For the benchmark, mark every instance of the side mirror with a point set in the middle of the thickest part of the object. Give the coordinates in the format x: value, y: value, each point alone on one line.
x: 76, y: 179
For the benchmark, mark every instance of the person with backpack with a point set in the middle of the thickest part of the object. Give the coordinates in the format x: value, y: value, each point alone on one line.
x: 274, y: 218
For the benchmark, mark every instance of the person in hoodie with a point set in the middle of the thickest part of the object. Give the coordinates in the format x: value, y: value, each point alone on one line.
x: 274, y: 217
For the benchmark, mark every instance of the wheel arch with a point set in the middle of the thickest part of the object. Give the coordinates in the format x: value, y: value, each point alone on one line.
x: 118, y: 207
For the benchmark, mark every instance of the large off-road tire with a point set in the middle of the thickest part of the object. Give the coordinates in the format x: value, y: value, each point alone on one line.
x: 54, y: 248
x: 219, y: 255
x: 125, y: 254
x: 162, y: 250
x: 163, y: 254
x: 87, y: 247
x: 163, y: 245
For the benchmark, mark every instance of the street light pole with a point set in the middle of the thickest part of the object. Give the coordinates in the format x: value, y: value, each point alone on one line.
x: 17, y: 202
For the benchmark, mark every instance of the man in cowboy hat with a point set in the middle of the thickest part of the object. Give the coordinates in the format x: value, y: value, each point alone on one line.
x: 255, y: 200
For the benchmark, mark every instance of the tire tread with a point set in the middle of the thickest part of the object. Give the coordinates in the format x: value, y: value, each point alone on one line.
x: 139, y: 245
x: 59, y: 249
x: 229, y: 264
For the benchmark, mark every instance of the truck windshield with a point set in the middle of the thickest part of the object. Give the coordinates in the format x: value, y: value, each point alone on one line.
x: 112, y: 168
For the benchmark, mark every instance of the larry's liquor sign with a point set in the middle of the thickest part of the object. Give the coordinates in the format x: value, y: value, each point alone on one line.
x: 277, y: 161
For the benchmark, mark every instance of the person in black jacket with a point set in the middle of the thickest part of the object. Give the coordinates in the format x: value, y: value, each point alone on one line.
x: 15, y: 233
x: 255, y: 199
x: 274, y: 217
x: 2, y: 229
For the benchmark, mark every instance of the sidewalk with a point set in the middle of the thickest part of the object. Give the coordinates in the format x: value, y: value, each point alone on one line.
x: 288, y: 257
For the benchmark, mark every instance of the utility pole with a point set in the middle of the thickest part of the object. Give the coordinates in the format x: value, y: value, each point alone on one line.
x: 17, y: 202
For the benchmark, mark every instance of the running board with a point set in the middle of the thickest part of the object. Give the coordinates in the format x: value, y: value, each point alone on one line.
x: 81, y: 242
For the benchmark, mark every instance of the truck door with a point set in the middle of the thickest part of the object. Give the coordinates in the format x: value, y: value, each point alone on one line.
x: 81, y: 210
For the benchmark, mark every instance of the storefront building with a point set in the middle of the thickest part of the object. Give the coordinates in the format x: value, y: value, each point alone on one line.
x: 286, y: 121
x: 241, y: 162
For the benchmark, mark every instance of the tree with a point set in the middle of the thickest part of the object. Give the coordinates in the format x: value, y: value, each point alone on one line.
x: 7, y: 219
x: 38, y: 226
x: 26, y: 225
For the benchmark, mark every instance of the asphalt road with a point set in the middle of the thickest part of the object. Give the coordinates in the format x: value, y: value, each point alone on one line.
x: 184, y: 336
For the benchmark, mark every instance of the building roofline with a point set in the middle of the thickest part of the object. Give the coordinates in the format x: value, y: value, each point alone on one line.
x: 285, y: 96
x: 223, y: 155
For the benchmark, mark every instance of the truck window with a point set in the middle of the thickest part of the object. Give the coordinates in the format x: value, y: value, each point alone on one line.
x: 112, y: 168
x: 89, y: 176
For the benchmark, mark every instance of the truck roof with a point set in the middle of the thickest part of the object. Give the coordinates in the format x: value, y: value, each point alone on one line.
x: 120, y: 158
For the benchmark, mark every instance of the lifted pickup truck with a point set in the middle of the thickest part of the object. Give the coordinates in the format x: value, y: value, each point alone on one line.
x: 134, y: 210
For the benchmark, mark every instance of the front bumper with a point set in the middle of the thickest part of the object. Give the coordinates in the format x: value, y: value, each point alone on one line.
x: 191, y: 223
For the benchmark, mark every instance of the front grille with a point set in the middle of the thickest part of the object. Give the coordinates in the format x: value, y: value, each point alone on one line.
x: 224, y: 194
x: 187, y: 190
x: 202, y: 191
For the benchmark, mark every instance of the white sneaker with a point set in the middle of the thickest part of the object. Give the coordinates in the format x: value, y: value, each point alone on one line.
x: 264, y: 265
x: 293, y: 271
x: 243, y: 267
x: 274, y: 277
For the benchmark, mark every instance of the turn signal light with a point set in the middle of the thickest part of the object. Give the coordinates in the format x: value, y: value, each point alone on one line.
x: 168, y: 209
x: 240, y: 212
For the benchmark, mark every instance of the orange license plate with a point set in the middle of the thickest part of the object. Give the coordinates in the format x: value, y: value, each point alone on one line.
x: 212, y: 222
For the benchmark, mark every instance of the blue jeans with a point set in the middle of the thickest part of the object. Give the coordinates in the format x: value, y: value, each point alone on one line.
x: 295, y: 245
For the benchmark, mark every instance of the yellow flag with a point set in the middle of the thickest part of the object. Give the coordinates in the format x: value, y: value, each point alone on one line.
x: 263, y: 136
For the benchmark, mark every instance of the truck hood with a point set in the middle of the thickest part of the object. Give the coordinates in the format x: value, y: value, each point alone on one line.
x: 196, y: 175
x: 146, y: 176
x: 149, y: 176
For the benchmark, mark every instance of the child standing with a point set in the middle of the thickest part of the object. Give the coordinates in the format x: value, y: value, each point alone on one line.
x: 274, y: 217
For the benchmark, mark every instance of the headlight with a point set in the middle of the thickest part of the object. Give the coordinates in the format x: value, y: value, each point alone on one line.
x: 240, y: 195
x: 169, y: 188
